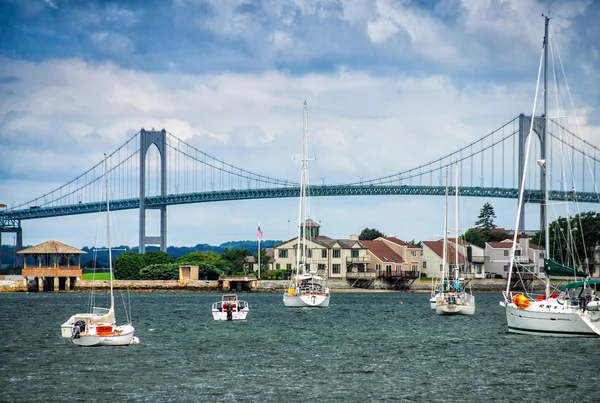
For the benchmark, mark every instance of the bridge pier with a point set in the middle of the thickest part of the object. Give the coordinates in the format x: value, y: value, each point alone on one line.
x: 147, y: 139
x: 16, y: 228
x: 538, y: 128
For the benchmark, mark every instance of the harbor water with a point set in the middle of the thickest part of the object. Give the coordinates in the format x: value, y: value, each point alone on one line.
x: 364, y: 347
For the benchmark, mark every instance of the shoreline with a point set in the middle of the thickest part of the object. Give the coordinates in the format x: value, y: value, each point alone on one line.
x: 206, y: 286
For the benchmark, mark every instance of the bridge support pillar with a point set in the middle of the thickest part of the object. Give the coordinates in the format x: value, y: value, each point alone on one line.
x: 18, y: 230
x: 524, y: 128
x: 147, y: 139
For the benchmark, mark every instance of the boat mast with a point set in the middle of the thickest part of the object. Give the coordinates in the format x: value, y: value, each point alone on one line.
x: 301, y: 249
x: 456, y: 225
x: 445, y: 248
x: 112, y: 298
x: 545, y: 226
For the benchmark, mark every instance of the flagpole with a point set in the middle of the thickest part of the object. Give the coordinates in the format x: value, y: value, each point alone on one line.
x: 258, y: 253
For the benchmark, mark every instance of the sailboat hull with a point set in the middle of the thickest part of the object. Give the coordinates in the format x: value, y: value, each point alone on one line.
x: 455, y: 309
x: 306, y: 300
x: 546, y: 321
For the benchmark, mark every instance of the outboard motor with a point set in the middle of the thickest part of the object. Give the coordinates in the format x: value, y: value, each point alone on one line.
x: 78, y: 328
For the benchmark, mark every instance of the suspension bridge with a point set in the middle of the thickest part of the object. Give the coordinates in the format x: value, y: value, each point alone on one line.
x: 156, y: 169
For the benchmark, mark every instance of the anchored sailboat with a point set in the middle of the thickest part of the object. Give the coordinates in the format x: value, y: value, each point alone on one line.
x: 306, y: 288
x: 99, y: 328
x: 575, y: 310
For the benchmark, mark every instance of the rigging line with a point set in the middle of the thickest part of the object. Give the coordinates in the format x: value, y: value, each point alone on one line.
x: 575, y: 114
x: 523, y: 179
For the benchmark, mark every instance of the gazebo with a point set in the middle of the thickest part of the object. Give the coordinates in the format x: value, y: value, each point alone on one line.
x: 52, y: 269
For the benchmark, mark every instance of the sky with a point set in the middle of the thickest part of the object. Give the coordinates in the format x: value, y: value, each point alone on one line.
x: 389, y: 85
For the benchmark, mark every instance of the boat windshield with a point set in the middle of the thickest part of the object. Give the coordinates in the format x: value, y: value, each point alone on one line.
x: 100, y: 311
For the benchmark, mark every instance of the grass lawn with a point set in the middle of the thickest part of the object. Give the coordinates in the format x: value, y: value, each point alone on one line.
x: 98, y: 276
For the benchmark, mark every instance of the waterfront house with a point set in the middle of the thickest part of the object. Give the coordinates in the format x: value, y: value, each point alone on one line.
x: 527, y: 255
x: 394, y: 262
x: 335, y: 258
x: 471, y: 258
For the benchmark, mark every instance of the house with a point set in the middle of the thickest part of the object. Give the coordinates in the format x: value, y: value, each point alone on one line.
x: 527, y: 255
x: 251, y: 264
x: 392, y: 261
x: 334, y: 258
x: 469, y: 258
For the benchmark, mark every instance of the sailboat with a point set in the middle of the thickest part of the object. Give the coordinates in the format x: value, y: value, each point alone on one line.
x: 452, y: 299
x: 306, y: 288
x: 99, y: 328
x: 575, y: 310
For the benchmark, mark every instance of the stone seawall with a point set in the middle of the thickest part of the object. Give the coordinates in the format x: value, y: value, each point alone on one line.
x: 479, y: 285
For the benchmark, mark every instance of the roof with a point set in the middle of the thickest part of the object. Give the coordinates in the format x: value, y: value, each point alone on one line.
x: 438, y: 248
x: 383, y: 252
x: 327, y: 242
x: 398, y: 242
x: 500, y: 245
x: 52, y: 248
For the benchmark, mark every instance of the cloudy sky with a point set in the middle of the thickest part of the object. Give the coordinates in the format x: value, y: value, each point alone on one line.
x: 389, y: 85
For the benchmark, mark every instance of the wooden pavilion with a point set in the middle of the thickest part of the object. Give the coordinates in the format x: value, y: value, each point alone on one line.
x: 52, y: 269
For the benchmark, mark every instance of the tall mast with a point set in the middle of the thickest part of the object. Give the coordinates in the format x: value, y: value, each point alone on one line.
x: 444, y: 253
x: 301, y: 249
x: 545, y: 152
x: 112, y: 298
x: 456, y: 223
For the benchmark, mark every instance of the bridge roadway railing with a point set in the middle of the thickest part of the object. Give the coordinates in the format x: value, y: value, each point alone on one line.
x: 10, y: 218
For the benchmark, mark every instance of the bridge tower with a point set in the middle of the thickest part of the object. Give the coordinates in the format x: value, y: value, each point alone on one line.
x: 538, y: 128
x: 147, y: 139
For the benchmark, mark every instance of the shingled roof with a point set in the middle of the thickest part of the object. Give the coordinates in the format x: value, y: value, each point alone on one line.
x: 51, y: 248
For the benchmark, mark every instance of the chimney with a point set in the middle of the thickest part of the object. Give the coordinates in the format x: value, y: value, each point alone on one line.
x: 353, y: 237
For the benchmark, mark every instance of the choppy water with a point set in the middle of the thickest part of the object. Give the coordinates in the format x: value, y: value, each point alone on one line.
x: 364, y: 347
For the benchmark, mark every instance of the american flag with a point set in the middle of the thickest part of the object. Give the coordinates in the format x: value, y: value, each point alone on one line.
x: 259, y: 233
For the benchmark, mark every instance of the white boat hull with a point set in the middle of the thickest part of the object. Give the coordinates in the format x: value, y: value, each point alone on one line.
x: 306, y: 300
x: 234, y: 315
x: 545, y: 320
x: 448, y: 309
x: 432, y: 302
x: 123, y: 336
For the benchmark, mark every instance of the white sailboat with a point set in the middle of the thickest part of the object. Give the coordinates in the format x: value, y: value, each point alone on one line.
x: 575, y: 310
x: 99, y: 328
x: 306, y: 289
x: 452, y: 299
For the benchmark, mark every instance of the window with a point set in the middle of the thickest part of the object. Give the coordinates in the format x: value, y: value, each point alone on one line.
x: 413, y: 253
x: 277, y: 266
x: 321, y: 267
x: 337, y: 253
x: 505, y: 252
x: 309, y: 253
x: 518, y: 252
x: 288, y: 266
x: 377, y: 267
x: 541, y: 255
x: 307, y: 267
x: 478, y: 268
x: 354, y: 252
x: 398, y: 268
x: 505, y: 267
x: 336, y: 268
x: 415, y: 267
x: 424, y: 264
x: 283, y: 253
x: 323, y: 252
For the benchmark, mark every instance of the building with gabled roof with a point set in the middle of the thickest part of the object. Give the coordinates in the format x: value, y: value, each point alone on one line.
x: 471, y: 258
x: 334, y: 258
x: 529, y: 256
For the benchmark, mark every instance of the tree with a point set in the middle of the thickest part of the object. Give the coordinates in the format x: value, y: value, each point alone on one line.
x: 368, y: 234
x: 157, y: 257
x: 486, y: 218
x: 164, y: 271
x: 211, y: 265
x: 128, y: 265
x: 572, y: 240
x: 415, y: 243
x: 236, y: 258
x: 265, y: 259
x: 475, y: 237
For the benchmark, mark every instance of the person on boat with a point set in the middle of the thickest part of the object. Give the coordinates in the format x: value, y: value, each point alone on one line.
x: 229, y: 311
